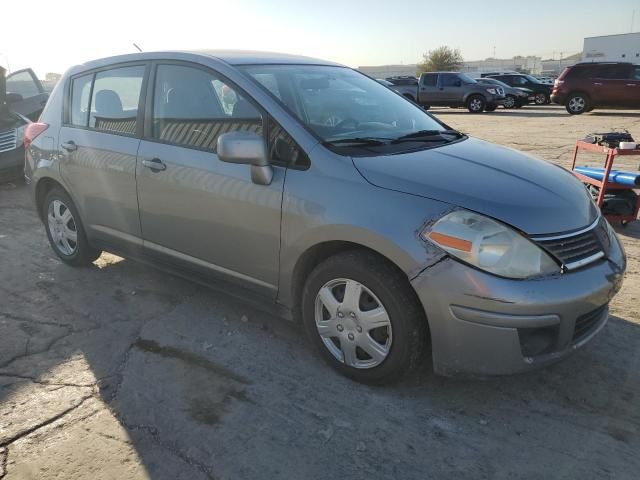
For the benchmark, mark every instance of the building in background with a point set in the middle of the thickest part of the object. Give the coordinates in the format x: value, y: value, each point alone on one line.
x: 624, y: 47
x: 552, y: 67
x: 529, y: 64
x: 384, y: 71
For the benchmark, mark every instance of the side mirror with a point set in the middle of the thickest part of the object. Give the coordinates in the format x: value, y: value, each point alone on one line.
x: 247, y: 148
x: 14, y: 98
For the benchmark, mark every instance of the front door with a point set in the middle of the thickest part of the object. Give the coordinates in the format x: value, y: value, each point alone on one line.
x: 450, y: 88
x: 98, y: 147
x: 632, y: 86
x: 610, y: 85
x: 196, y: 210
x: 32, y: 97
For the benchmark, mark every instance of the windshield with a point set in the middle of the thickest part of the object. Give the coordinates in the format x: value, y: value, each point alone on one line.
x: 466, y: 79
x: 339, y: 104
x: 532, y: 79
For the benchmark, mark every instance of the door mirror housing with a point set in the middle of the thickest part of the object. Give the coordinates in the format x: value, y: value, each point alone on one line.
x: 247, y: 148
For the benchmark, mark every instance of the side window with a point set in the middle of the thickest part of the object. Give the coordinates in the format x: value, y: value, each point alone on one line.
x: 114, y: 103
x: 192, y: 107
x: 283, y: 149
x: 430, y: 80
x: 520, y: 80
x: 80, y: 91
x: 614, y: 72
x: 636, y: 73
x: 23, y: 84
x: 450, y: 80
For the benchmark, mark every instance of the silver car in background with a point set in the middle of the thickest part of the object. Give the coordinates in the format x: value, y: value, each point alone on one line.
x: 312, y: 187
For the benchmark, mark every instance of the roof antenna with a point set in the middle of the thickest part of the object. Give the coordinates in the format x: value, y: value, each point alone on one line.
x: 136, y: 45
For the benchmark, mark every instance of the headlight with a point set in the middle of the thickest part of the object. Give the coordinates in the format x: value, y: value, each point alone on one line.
x: 489, y: 245
x: 492, y: 91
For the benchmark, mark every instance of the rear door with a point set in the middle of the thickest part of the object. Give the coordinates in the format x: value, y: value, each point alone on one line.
x: 633, y: 87
x: 33, y: 98
x: 98, y: 147
x: 195, y: 210
x: 429, y: 93
x: 611, y: 84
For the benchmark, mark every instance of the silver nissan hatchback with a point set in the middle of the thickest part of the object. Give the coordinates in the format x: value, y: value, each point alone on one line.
x: 312, y: 186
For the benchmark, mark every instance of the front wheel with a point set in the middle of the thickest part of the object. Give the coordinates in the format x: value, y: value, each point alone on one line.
x: 476, y: 104
x: 510, y: 102
x: 541, y: 98
x: 65, y: 231
x: 363, y: 317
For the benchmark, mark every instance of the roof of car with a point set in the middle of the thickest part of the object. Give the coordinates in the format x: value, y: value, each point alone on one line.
x: 232, y: 57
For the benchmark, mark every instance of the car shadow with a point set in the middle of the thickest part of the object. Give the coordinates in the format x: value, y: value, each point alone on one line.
x: 196, y: 384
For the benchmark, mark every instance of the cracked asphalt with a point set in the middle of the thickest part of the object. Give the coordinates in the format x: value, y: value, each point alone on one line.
x: 119, y: 371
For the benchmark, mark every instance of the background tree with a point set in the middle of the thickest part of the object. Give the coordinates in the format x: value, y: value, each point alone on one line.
x: 441, y: 59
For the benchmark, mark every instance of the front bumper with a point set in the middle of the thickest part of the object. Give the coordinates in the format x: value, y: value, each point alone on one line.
x: 12, y: 164
x: 486, y: 325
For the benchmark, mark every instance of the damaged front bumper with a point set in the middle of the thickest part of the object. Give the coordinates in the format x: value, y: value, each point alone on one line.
x: 487, y: 325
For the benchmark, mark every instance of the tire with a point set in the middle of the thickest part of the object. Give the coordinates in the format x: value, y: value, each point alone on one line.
x: 63, y: 225
x: 491, y: 107
x: 578, y: 103
x: 476, y: 104
x: 510, y: 101
x: 426, y: 107
x: 409, y: 97
x: 396, y: 345
x: 541, y: 98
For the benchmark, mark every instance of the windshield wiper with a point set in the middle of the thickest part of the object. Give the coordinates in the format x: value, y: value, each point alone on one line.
x: 427, y: 136
x: 368, y: 141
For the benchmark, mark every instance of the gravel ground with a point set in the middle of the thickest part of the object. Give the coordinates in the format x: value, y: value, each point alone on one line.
x: 121, y: 372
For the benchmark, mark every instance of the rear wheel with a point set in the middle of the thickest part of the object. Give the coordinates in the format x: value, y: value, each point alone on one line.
x: 510, y: 102
x: 578, y: 103
x: 363, y: 317
x: 65, y: 231
x: 476, y: 103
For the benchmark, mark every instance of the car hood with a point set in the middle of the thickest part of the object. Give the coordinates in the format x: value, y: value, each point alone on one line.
x: 525, y: 192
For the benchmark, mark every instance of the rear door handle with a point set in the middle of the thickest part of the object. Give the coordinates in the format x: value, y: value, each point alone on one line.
x: 154, y: 164
x: 70, y: 146
x: 598, y: 83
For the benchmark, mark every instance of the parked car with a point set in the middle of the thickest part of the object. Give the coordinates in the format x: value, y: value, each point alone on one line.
x: 12, y: 126
x: 585, y: 86
x: 406, y: 86
x: 315, y: 188
x: 513, y: 97
x: 545, y: 80
x: 453, y: 89
x: 542, y: 91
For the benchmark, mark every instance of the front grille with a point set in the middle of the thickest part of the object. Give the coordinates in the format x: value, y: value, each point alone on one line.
x: 8, y: 140
x: 585, y: 323
x: 579, y: 249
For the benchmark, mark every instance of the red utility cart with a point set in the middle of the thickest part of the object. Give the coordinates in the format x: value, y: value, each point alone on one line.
x: 604, y: 184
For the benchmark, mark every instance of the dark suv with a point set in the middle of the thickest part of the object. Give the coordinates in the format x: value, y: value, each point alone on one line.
x: 541, y: 91
x: 585, y: 86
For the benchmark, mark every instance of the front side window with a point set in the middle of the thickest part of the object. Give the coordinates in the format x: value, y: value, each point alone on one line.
x: 345, y: 108
x: 614, y: 72
x: 114, y: 103
x: 80, y: 91
x: 636, y: 73
x: 192, y: 107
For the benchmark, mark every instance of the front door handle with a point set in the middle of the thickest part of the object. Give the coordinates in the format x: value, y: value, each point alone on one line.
x: 70, y: 146
x: 154, y: 164
x: 631, y: 84
x: 598, y: 83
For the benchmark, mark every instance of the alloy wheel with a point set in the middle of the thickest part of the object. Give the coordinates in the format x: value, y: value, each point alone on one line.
x: 577, y: 104
x: 62, y: 227
x: 475, y: 104
x: 540, y: 99
x: 353, y: 323
x: 509, y: 102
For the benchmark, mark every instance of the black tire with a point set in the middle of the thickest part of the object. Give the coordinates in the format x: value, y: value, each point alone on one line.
x: 409, y: 96
x: 82, y: 254
x: 510, y: 101
x: 491, y: 107
x: 578, y: 103
x: 541, y: 98
x: 405, y: 313
x: 476, y: 104
x: 426, y: 107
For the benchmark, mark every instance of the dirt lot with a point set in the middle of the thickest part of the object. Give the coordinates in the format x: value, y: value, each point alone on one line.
x: 121, y: 372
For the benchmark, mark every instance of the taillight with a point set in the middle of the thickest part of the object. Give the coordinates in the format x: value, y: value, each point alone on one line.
x: 32, y: 131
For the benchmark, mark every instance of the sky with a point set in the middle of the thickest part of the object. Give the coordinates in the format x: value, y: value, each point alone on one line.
x: 53, y: 35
